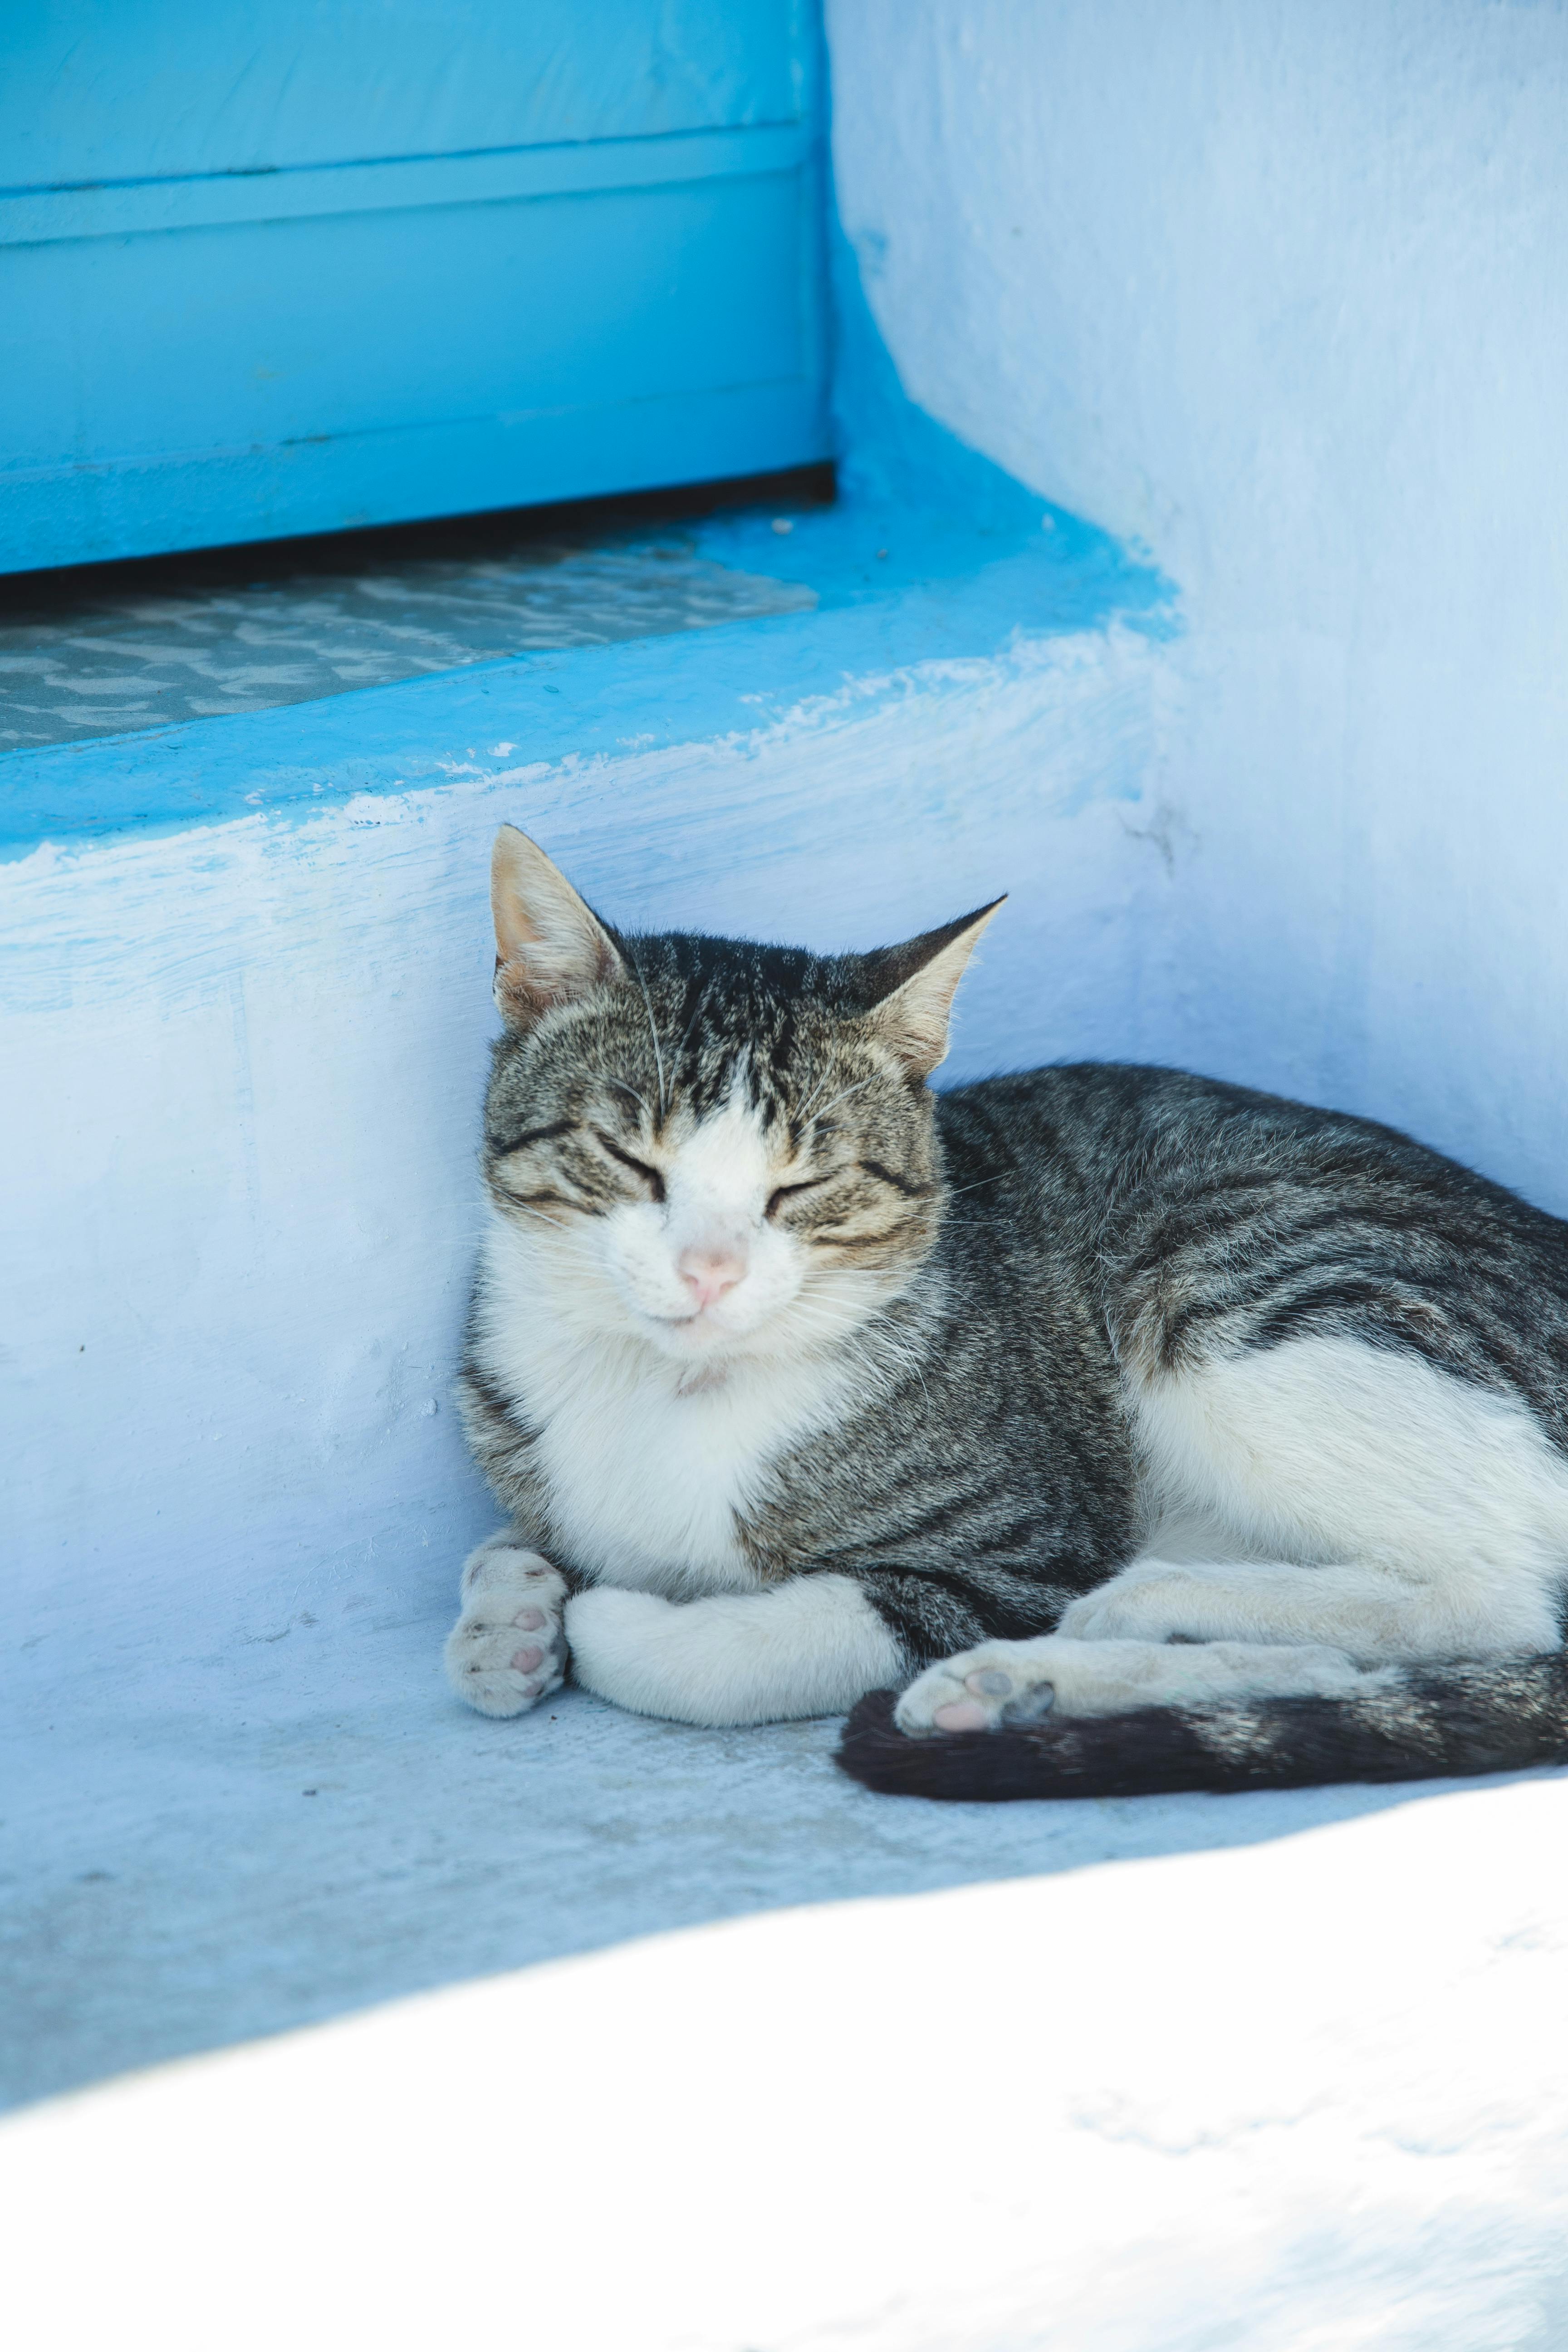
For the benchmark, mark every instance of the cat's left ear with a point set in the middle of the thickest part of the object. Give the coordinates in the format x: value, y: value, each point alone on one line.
x: 550, y: 944
x: 916, y: 984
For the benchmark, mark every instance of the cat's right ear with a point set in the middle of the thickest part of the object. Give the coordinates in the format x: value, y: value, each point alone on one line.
x: 550, y: 946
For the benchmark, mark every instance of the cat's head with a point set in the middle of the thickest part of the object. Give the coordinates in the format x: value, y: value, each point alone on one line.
x: 718, y: 1147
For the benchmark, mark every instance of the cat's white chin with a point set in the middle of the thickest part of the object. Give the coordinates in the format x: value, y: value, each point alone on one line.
x: 702, y: 1338
x: 731, y: 1326
x: 806, y: 1322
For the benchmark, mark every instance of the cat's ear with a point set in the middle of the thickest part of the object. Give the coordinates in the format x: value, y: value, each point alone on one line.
x: 915, y: 986
x: 550, y: 946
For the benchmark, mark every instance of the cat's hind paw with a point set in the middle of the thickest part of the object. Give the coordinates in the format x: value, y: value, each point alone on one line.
x: 1000, y: 1682
x: 508, y: 1649
x: 1004, y: 1682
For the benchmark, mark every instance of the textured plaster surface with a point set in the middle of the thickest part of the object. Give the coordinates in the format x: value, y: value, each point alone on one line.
x: 1278, y: 290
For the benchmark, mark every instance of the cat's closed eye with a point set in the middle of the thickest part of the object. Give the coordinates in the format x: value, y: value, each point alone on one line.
x: 788, y: 1191
x: 651, y: 1176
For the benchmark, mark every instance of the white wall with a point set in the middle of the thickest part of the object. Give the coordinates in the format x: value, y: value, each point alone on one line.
x: 1281, y: 286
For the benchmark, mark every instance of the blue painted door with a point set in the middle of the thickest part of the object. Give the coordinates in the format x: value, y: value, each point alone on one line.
x: 281, y: 266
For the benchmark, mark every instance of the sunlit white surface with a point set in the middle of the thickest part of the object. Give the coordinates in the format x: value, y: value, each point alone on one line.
x: 1309, y: 2094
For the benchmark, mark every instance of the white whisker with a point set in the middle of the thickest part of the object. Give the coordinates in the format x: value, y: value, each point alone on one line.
x: 543, y: 1215
x: 814, y: 1092
x: 653, y: 1033
x: 857, y: 1088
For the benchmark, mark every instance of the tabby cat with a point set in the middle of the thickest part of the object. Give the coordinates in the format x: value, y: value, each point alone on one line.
x: 1150, y: 1433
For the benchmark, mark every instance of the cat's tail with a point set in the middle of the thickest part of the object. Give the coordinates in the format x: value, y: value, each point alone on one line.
x: 1494, y: 1716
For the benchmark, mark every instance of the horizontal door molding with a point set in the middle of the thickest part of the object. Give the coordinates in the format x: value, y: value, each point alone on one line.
x: 225, y: 199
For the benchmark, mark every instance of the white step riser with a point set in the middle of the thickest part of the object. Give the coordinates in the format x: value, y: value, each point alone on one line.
x: 246, y: 1064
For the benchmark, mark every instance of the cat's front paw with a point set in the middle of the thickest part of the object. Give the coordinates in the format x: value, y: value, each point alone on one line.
x: 508, y: 1649
x: 1000, y: 1682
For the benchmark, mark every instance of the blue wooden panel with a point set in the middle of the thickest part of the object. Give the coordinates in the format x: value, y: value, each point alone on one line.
x: 386, y: 330
x: 130, y: 90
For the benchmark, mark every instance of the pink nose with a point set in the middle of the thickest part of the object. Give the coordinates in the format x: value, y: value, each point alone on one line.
x: 708, y: 1274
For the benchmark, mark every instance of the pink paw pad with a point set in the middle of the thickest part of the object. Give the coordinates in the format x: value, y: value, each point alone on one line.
x: 530, y: 1620
x: 961, y: 1714
x: 524, y: 1661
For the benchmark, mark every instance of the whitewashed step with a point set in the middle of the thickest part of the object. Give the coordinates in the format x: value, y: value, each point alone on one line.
x: 244, y: 1020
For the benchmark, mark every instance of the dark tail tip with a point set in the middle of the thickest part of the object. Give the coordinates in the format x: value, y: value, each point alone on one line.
x: 1430, y: 1723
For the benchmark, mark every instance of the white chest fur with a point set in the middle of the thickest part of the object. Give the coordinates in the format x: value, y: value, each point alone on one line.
x: 646, y: 1484
x: 646, y: 1476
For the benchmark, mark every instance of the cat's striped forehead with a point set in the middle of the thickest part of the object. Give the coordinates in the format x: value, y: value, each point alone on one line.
x: 707, y: 1022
